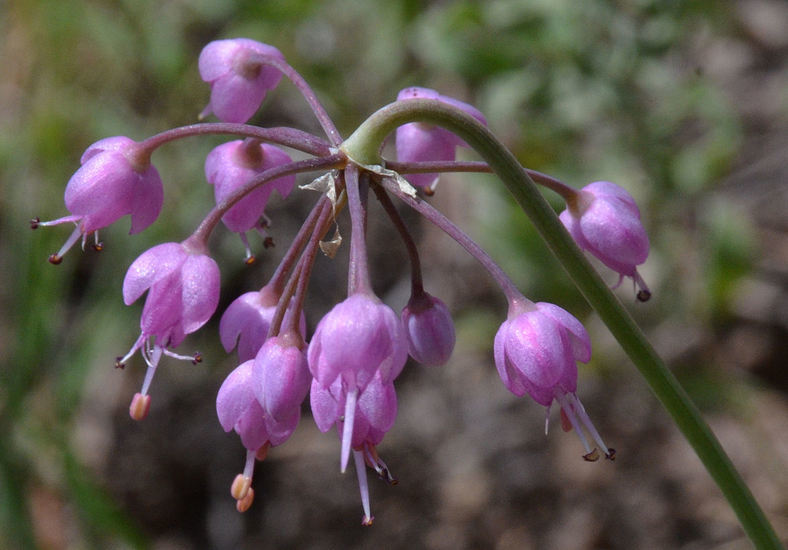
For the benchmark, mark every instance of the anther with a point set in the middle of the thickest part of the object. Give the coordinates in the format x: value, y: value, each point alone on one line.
x: 98, y: 247
x: 34, y: 223
x: 245, y: 503
x: 197, y: 358
x: 611, y: 454
x: 250, y: 259
x: 268, y: 242
x: 643, y: 295
x: 262, y: 452
x: 119, y: 364
x: 140, y: 405
x: 429, y: 191
x: 54, y: 259
x: 593, y: 456
x: 241, y: 486
x: 366, y: 521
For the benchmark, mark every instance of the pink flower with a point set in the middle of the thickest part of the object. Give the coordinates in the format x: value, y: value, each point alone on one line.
x: 281, y: 375
x: 420, y: 142
x: 605, y: 221
x: 373, y: 416
x: 232, y: 165
x: 183, y: 291
x: 239, y: 77
x: 536, y: 350
x: 246, y: 321
x: 357, y: 340
x: 116, y: 179
x: 429, y: 329
x: 239, y: 410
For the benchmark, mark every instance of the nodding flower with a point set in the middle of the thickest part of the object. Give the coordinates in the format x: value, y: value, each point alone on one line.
x: 604, y: 219
x: 116, y: 179
x: 536, y: 352
x: 239, y: 77
x: 182, y: 282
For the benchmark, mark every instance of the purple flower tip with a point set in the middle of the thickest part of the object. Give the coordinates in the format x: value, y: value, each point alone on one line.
x: 239, y: 76
x: 419, y: 142
x: 605, y: 221
x: 429, y: 330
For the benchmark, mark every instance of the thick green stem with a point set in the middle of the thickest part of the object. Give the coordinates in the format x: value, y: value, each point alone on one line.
x: 363, y: 147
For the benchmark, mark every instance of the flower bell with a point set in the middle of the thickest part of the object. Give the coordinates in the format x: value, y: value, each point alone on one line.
x: 604, y: 219
x: 536, y: 350
x: 238, y: 76
x: 115, y: 179
x: 230, y: 166
x: 429, y: 329
x: 183, y: 290
x: 239, y: 410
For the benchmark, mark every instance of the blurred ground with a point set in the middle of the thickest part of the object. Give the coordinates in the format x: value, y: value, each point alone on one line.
x: 688, y: 109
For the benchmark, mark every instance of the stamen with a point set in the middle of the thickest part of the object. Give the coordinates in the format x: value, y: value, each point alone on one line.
x: 120, y: 362
x: 249, y: 258
x: 581, y: 412
x: 569, y: 411
x: 361, y: 472
x: 56, y: 258
x: 643, y: 293
x: 140, y: 405
x: 98, y: 246
x: 196, y: 358
x: 152, y: 358
x: 35, y: 223
x: 240, y: 486
x: 262, y: 452
x: 376, y: 463
x: 245, y: 503
x: 347, y: 428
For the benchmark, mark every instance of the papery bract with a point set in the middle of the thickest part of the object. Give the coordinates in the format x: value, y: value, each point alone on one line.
x: 238, y: 75
x: 421, y: 142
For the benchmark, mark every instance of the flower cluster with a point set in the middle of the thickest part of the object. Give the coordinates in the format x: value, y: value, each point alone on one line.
x: 350, y: 364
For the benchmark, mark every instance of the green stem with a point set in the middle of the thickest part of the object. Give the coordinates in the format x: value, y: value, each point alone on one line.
x: 363, y: 147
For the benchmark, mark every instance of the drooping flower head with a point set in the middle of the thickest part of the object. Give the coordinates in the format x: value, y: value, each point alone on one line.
x: 605, y: 220
x: 183, y: 290
x: 360, y: 338
x: 429, y: 329
x: 374, y: 413
x: 421, y: 142
x: 536, y: 350
x: 115, y: 179
x: 238, y: 76
x: 230, y: 166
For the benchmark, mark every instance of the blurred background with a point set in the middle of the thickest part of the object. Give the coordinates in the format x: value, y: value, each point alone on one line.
x: 685, y: 104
